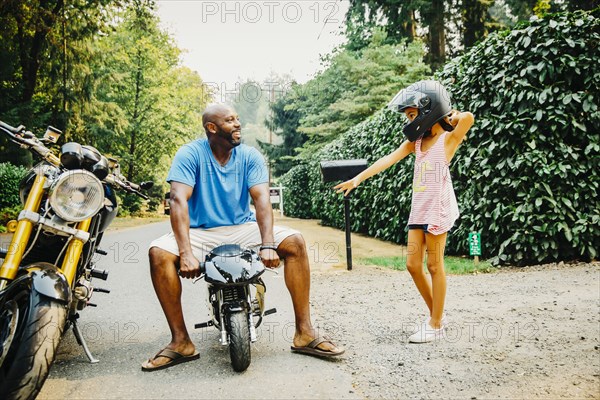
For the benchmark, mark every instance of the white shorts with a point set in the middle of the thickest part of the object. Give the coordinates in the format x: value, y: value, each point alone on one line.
x: 204, y: 240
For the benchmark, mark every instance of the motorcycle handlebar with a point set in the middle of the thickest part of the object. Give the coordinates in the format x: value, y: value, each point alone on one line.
x: 27, y: 139
x: 142, y: 195
x: 125, y: 185
x: 20, y: 135
x: 11, y: 129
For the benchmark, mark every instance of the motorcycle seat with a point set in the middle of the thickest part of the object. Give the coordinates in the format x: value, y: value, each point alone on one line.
x: 227, y: 250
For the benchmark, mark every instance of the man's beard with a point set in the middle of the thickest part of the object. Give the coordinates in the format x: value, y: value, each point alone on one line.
x: 229, y: 137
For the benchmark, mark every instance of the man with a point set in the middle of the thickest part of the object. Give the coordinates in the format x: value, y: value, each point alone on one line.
x: 212, y: 181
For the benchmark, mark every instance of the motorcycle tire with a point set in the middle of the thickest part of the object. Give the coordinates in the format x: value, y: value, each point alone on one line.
x: 32, y: 352
x: 239, y: 340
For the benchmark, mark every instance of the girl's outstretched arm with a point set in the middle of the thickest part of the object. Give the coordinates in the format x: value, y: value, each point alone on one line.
x: 380, y: 165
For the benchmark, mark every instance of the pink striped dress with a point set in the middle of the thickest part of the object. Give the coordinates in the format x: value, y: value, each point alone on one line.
x: 433, y: 199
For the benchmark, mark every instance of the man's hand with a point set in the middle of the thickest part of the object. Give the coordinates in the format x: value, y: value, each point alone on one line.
x: 270, y: 258
x: 189, y: 266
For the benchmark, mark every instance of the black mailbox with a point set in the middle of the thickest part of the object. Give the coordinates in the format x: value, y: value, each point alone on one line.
x: 341, y: 170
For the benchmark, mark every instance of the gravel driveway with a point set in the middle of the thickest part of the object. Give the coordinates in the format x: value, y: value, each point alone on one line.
x: 527, y: 333
x: 517, y: 333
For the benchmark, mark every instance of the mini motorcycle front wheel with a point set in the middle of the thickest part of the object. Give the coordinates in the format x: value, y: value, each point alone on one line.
x: 34, y: 328
x: 239, y: 340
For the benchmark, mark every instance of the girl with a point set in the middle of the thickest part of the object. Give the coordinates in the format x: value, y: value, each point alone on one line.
x: 434, y: 133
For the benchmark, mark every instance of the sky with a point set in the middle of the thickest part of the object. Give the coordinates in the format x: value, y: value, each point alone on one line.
x: 228, y: 41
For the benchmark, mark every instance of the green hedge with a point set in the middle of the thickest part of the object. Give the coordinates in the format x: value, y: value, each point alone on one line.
x: 10, y: 177
x: 380, y: 206
x: 528, y: 175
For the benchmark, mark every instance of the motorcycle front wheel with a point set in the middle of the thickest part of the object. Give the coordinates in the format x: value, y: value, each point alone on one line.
x: 239, y: 340
x: 32, y: 326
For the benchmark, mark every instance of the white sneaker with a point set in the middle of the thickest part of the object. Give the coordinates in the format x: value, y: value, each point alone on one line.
x: 426, y: 334
x: 444, y: 320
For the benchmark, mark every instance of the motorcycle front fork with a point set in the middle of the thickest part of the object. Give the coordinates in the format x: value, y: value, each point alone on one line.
x: 224, y: 339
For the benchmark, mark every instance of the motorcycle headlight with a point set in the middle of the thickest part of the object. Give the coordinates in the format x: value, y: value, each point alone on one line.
x: 76, y: 195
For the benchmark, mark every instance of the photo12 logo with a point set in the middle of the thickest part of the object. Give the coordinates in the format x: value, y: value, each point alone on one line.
x: 271, y: 11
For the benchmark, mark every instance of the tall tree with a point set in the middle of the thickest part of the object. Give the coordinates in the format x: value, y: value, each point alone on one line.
x: 45, y: 50
x: 32, y: 31
x: 284, y: 122
x: 475, y: 19
x: 354, y: 86
x: 33, y: 23
x: 149, y: 105
x: 586, y: 5
x: 398, y: 18
x: 433, y: 18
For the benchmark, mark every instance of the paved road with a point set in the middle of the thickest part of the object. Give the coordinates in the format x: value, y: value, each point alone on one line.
x: 128, y: 326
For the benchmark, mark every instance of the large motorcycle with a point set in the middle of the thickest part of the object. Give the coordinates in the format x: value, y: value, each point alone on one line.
x: 46, y: 275
x: 236, y: 298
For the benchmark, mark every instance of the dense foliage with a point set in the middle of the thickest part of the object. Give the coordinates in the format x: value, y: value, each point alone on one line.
x: 103, y: 72
x: 381, y: 204
x: 389, y: 42
x: 10, y: 204
x: 528, y: 175
x: 10, y: 176
x: 445, y: 25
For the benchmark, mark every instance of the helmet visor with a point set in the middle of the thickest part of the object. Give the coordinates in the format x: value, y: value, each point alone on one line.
x: 407, y: 99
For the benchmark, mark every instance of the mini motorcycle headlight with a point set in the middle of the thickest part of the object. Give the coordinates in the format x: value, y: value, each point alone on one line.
x: 76, y: 195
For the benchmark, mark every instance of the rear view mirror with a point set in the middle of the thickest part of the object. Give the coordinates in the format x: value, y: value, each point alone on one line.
x: 52, y: 134
x: 146, y: 185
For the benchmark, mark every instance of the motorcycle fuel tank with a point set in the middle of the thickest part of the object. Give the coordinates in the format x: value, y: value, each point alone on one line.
x: 231, y: 264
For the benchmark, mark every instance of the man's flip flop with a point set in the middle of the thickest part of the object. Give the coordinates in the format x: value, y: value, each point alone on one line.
x: 175, y: 357
x: 311, y: 349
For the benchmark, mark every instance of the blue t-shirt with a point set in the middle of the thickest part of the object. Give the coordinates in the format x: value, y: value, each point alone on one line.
x: 220, y: 196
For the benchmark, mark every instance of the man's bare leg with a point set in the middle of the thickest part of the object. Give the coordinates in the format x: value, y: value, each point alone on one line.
x: 297, y: 280
x: 167, y: 285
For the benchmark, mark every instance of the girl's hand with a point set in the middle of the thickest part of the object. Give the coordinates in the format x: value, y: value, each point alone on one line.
x: 348, y: 186
x: 453, y: 118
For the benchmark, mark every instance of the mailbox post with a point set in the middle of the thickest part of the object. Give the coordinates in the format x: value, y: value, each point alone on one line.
x: 342, y: 170
x: 276, y: 195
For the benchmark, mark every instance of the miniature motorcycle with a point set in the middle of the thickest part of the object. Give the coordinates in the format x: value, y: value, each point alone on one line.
x: 46, y: 273
x: 236, y: 297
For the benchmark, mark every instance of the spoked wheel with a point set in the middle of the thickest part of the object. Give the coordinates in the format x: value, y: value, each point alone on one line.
x: 32, y: 326
x: 10, y: 312
x: 9, y: 318
x: 239, y: 340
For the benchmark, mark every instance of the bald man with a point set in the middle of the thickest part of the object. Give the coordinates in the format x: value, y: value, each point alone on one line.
x: 212, y: 181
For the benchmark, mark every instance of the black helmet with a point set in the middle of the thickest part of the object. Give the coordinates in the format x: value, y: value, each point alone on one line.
x: 431, y: 99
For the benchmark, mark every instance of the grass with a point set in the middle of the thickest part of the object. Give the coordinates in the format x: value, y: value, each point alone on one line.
x: 128, y: 222
x: 452, y: 265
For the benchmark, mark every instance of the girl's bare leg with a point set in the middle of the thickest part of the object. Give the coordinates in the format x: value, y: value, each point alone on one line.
x: 414, y: 265
x: 436, y: 245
